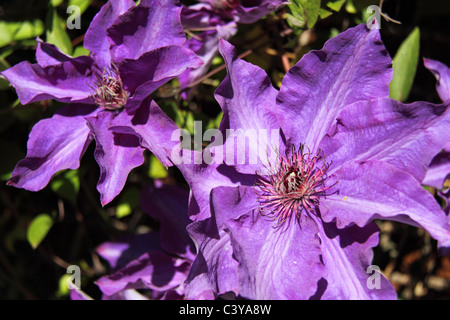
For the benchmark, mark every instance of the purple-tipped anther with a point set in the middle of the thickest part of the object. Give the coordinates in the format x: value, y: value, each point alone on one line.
x: 293, y: 185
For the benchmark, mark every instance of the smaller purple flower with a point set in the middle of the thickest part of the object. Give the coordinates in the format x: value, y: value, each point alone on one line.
x: 157, y: 262
x: 218, y: 19
x: 133, y: 51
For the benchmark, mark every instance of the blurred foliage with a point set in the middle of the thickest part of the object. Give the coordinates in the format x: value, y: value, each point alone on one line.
x: 42, y: 233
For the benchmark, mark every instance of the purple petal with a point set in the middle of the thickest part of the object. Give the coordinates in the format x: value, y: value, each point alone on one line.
x: 347, y: 256
x: 154, y: 270
x: 54, y: 144
x: 78, y: 294
x: 68, y: 81
x: 206, y: 47
x: 442, y: 74
x: 377, y: 190
x: 273, y: 263
x: 95, y: 39
x: 153, y: 128
x: 352, y: 66
x: 150, y: 25
x: 438, y: 171
x: 387, y: 130
x: 169, y: 205
x: 151, y: 70
x: 250, y: 10
x: 116, y: 153
x: 247, y: 98
x: 120, y: 252
x: 49, y: 55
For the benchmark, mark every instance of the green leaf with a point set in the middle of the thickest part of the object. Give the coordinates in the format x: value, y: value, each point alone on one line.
x: 350, y: 7
x: 80, y: 51
x: 38, y: 229
x: 304, y: 12
x: 57, y: 34
x: 128, y: 202
x: 67, y: 185
x: 157, y: 169
x: 56, y: 3
x: 336, y: 5
x: 323, y: 13
x: 82, y: 4
x: 16, y: 31
x: 404, y: 65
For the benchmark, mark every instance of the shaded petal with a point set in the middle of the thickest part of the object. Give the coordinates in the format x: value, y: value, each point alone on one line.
x: 150, y: 25
x: 438, y: 171
x: 407, y: 136
x: 377, y: 190
x: 274, y: 263
x: 352, y: 66
x: 68, y: 81
x: 154, y: 270
x: 151, y: 70
x: 153, y: 128
x: 48, y: 54
x: 247, y: 98
x: 169, y: 205
x: 347, y: 255
x: 442, y: 74
x: 95, y: 39
x: 119, y: 253
x: 206, y: 47
x: 54, y: 144
x: 78, y: 294
x: 250, y: 11
x: 116, y: 154
x: 214, y: 270
x: 203, y: 178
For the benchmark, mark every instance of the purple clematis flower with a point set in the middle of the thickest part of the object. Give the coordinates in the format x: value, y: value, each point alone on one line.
x: 218, y: 19
x: 133, y: 51
x: 158, y: 261
x: 439, y: 169
x: 299, y: 224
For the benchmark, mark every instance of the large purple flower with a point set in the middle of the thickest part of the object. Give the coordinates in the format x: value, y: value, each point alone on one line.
x: 218, y: 19
x: 298, y: 224
x: 133, y: 51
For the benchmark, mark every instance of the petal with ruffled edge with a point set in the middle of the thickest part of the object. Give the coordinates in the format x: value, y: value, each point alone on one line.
x: 48, y: 54
x: 153, y: 270
x: 274, y: 263
x: 442, y: 74
x: 69, y: 81
x: 352, y: 66
x: 150, y: 25
x: 347, y: 255
x: 247, y: 98
x: 377, y: 190
x: 54, y: 144
x: 151, y: 70
x: 439, y: 170
x: 116, y: 153
x: 153, y: 128
x: 206, y: 47
x: 407, y: 136
x: 95, y: 39
x: 169, y: 205
x: 251, y: 11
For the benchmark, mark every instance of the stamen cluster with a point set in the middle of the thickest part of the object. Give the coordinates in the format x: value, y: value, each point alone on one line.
x: 294, y: 185
x: 109, y: 91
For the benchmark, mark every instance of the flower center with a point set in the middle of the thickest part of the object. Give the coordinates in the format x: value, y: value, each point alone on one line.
x: 109, y: 91
x: 225, y: 4
x: 294, y: 185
